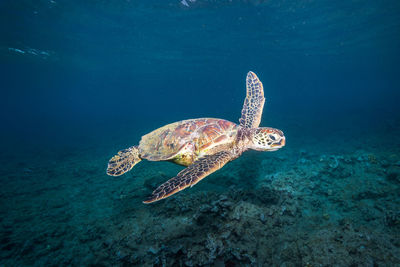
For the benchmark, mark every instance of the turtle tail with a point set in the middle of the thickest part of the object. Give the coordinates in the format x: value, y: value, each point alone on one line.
x: 123, y: 161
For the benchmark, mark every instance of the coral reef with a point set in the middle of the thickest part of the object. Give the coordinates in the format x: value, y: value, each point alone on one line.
x: 295, y: 208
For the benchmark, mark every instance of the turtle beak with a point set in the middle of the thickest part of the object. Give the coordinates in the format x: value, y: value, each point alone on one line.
x: 279, y: 144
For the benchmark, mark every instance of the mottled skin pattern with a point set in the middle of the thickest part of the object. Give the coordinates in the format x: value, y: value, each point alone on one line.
x: 204, y: 145
x: 123, y: 161
x: 253, y: 103
x: 191, y: 175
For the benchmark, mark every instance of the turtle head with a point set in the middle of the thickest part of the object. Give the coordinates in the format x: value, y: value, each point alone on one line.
x: 267, y: 139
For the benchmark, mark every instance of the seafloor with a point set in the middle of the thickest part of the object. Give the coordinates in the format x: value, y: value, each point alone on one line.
x: 324, y: 200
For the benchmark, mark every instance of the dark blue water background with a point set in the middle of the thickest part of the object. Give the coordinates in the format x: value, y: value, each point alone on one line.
x: 114, y: 68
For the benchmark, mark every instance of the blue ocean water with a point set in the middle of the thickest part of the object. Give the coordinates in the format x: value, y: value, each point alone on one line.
x: 82, y: 80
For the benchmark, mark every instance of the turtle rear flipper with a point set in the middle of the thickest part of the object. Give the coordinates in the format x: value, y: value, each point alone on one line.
x: 123, y: 161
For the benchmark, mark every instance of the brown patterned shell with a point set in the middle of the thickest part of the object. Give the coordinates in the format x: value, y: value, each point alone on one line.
x: 189, y: 137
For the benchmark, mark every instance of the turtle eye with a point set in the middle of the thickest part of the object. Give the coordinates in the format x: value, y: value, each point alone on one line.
x: 272, y: 137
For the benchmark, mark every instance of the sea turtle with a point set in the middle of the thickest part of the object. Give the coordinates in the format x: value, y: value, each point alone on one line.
x: 203, y: 145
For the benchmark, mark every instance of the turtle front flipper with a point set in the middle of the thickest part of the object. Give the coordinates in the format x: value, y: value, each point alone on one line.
x: 254, y: 102
x: 191, y: 175
x: 123, y: 161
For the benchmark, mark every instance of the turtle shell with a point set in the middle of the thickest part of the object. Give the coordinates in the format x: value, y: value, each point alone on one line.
x: 190, y: 137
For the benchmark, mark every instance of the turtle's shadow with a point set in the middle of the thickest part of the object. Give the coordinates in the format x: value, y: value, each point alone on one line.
x: 242, y: 173
x: 249, y: 170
